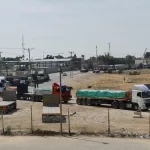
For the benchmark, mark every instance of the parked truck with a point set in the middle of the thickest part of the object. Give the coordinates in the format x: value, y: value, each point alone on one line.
x: 138, y: 97
x: 9, y: 102
x: 37, y: 93
x: 51, y: 109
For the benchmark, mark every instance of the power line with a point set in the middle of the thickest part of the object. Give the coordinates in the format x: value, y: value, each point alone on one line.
x: 9, y: 48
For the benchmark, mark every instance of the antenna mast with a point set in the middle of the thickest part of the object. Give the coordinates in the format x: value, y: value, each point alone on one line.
x: 23, y: 48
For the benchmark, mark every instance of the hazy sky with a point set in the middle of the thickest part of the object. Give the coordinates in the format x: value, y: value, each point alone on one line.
x: 60, y: 26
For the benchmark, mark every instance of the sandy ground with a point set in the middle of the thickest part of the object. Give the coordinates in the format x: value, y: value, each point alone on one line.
x: 87, y: 118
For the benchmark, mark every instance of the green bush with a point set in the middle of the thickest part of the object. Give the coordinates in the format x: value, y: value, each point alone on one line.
x: 8, y: 130
x: 134, y: 73
x: 109, y: 71
x: 120, y: 71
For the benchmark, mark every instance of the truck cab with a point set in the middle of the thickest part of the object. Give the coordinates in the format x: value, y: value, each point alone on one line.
x: 141, y: 96
x: 66, y: 91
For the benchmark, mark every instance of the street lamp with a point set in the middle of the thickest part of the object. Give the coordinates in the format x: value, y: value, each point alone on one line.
x: 60, y: 97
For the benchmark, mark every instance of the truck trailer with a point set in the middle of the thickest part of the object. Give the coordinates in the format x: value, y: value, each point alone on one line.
x: 9, y: 102
x: 51, y: 109
x: 138, y: 97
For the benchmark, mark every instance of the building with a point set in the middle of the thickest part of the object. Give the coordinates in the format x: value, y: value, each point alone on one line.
x: 49, y: 65
x: 144, y: 61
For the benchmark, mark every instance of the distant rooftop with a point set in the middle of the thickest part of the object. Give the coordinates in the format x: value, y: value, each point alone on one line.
x: 42, y: 60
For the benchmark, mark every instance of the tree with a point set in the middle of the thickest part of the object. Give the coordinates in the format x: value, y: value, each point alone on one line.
x: 49, y: 57
x: 130, y: 59
x: 59, y: 57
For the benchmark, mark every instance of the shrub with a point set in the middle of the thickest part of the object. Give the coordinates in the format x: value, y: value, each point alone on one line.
x: 120, y: 71
x: 134, y: 73
x: 8, y: 130
x: 109, y: 71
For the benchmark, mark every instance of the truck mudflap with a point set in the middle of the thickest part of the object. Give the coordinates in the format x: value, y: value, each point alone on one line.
x: 53, y: 119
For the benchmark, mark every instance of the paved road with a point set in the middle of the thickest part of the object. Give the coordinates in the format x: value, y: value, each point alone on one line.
x: 54, y: 78
x: 57, y: 143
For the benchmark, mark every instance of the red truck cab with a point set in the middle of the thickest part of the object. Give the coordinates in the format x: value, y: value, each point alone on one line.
x: 66, y: 91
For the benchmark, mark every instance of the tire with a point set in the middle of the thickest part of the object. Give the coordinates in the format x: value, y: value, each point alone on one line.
x: 65, y: 102
x: 135, y: 106
x: 115, y: 104
x: 79, y: 101
x: 89, y: 102
x: 84, y: 102
x: 121, y: 105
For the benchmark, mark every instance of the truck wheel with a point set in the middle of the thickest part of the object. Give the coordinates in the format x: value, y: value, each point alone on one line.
x: 65, y: 102
x: 89, y: 103
x: 84, y: 102
x: 135, y: 106
x: 115, y: 104
x: 79, y: 101
x: 121, y: 105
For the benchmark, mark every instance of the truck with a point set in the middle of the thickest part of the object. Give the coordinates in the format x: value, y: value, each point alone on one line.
x: 9, y: 102
x: 37, y: 93
x: 137, y: 98
x: 51, y: 109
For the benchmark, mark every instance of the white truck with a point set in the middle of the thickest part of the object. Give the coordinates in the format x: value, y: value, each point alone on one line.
x: 138, y: 97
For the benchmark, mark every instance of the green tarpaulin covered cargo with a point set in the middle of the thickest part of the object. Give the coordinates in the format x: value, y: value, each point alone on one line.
x: 99, y: 94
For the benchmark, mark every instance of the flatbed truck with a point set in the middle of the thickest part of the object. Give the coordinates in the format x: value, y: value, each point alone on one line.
x: 9, y: 102
x: 51, y: 109
x: 137, y: 98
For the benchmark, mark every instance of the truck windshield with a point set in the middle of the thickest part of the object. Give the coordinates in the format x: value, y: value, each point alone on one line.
x: 145, y: 94
x: 65, y: 89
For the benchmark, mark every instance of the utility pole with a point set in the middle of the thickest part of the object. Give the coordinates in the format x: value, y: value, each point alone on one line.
x: 60, y: 98
x: 43, y: 55
x: 29, y: 50
x: 109, y: 53
x: 1, y: 55
x: 0, y: 62
x: 23, y: 48
x: 96, y: 57
x: 71, y: 71
x: 144, y: 55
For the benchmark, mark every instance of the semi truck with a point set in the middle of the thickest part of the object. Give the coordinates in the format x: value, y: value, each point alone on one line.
x: 138, y: 97
x: 37, y: 93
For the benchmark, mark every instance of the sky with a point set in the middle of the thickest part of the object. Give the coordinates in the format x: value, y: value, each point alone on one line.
x: 59, y: 26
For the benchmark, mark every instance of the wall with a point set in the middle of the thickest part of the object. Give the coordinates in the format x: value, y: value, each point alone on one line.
x: 55, y: 69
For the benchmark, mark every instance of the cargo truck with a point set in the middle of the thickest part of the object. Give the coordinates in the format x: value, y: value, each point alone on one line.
x: 37, y: 93
x: 9, y: 102
x: 138, y: 97
x: 51, y: 109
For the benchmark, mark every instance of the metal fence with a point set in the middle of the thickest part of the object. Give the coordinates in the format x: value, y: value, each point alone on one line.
x: 80, y: 120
